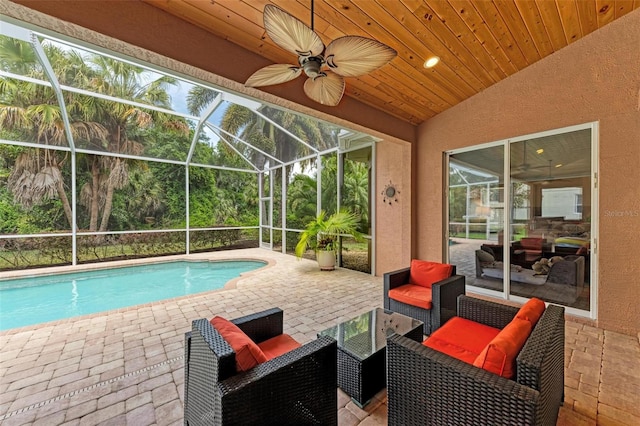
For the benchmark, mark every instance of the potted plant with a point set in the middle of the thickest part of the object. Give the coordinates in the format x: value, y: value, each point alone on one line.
x: 323, y: 235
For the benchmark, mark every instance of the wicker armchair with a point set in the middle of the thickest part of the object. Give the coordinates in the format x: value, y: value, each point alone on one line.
x: 450, y: 391
x: 299, y: 387
x: 443, y: 293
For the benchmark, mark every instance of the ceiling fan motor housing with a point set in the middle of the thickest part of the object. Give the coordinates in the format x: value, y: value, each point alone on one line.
x: 311, y: 65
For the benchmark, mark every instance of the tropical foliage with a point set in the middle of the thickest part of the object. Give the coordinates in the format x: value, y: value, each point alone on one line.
x: 323, y: 232
x: 269, y: 139
x: 302, y: 194
x: 118, y: 191
x: 114, y: 192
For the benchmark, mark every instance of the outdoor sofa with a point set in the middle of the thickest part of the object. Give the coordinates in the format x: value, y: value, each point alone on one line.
x: 569, y: 270
x: 465, y: 380
x: 296, y: 385
x: 426, y: 291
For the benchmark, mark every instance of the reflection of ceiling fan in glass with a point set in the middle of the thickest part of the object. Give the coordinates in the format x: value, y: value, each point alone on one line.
x: 549, y: 177
x: 349, y: 56
x: 525, y: 168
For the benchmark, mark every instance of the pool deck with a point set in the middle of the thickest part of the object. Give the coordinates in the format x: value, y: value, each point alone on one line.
x: 125, y: 367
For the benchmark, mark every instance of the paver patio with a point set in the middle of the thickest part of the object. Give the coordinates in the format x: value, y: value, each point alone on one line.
x: 126, y: 366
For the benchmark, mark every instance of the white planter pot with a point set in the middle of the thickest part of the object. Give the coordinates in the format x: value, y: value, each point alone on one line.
x: 326, y: 260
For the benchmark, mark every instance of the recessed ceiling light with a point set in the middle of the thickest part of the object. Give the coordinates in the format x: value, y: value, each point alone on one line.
x: 540, y: 151
x: 431, y: 62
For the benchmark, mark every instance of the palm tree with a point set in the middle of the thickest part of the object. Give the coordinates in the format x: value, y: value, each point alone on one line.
x: 302, y: 192
x: 323, y: 232
x: 96, y: 123
x: 32, y: 112
x: 301, y: 200
x: 262, y: 134
x: 266, y: 137
x: 355, y: 191
x: 125, y: 125
x: 146, y: 198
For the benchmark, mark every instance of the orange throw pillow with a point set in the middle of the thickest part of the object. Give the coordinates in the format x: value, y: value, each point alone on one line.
x: 499, y: 357
x: 278, y: 345
x: 426, y: 273
x: 248, y: 354
x: 532, y: 311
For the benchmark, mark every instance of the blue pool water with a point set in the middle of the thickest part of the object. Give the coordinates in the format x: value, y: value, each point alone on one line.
x: 34, y: 300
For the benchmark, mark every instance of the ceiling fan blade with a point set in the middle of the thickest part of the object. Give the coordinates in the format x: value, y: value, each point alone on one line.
x: 290, y: 33
x: 352, y: 56
x: 326, y: 89
x: 273, y: 74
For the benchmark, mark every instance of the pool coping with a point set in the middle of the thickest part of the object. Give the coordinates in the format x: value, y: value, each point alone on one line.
x: 200, y: 257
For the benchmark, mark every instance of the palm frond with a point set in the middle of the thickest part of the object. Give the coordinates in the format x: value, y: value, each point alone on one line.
x: 27, y: 161
x: 89, y: 131
x: 44, y: 184
x: 13, y: 116
x: 21, y: 187
x: 199, y: 98
x: 237, y: 117
x: 119, y: 175
x: 17, y: 56
x: 86, y: 195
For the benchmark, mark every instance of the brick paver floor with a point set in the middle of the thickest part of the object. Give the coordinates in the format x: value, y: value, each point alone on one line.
x: 125, y: 367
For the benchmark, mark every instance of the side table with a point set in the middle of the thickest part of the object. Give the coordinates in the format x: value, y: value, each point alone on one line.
x: 362, y: 342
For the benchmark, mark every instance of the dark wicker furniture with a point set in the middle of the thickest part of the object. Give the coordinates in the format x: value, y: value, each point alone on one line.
x: 428, y: 387
x: 444, y: 294
x: 296, y: 388
x: 361, y: 350
x: 517, y: 257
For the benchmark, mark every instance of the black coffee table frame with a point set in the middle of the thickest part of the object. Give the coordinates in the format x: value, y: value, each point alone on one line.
x: 362, y: 375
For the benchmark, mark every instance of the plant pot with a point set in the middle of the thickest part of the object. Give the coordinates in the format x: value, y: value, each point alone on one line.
x: 326, y: 259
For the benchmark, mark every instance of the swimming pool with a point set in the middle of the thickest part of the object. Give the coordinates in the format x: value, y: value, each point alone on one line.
x: 33, y: 300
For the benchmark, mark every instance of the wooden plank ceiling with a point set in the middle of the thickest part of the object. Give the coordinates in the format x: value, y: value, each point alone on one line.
x: 479, y: 42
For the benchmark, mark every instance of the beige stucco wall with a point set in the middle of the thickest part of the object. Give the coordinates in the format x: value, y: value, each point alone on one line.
x: 596, y: 78
x: 393, y: 226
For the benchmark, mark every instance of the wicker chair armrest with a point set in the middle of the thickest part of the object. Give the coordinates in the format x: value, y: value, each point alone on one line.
x: 540, y: 364
x: 298, y: 387
x: 444, y: 295
x: 207, y: 339
x: 459, y: 394
x: 208, y: 359
x: 396, y: 278
x: 486, y: 312
x: 261, y: 325
x: 543, y: 343
x: 392, y: 280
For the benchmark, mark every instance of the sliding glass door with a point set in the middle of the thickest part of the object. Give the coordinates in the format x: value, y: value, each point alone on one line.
x: 476, y: 212
x: 523, y: 227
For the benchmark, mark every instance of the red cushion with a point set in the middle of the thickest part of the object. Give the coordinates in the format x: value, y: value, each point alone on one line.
x: 426, y: 273
x: 412, y: 294
x: 531, y: 311
x: 248, y: 354
x: 278, y: 345
x: 531, y: 243
x: 461, y: 338
x: 499, y: 356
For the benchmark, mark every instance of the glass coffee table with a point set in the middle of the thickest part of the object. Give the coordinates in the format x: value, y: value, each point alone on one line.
x: 362, y: 342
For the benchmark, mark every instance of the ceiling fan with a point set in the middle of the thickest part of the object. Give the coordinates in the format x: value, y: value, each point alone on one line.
x: 348, y: 56
x: 525, y: 167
